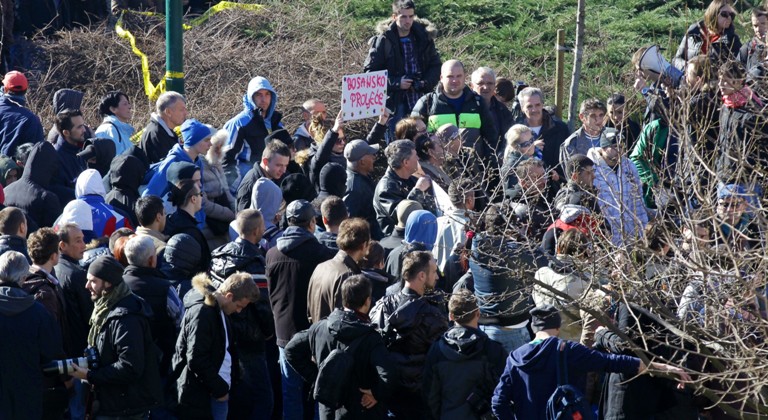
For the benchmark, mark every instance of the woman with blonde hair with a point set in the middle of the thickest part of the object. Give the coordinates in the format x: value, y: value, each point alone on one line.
x: 714, y: 36
x: 520, y: 147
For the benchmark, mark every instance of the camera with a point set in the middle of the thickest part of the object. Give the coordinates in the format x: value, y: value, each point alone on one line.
x: 89, y: 360
x: 418, y: 83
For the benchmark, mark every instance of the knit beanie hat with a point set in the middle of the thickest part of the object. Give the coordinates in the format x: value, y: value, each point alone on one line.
x: 108, y: 269
x: 193, y: 132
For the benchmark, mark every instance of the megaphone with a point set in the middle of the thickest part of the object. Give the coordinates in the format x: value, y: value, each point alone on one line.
x: 658, y: 69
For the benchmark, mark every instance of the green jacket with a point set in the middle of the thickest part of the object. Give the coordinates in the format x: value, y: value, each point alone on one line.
x: 649, y: 157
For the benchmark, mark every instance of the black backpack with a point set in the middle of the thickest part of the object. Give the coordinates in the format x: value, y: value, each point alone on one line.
x: 566, y: 402
x: 336, y: 374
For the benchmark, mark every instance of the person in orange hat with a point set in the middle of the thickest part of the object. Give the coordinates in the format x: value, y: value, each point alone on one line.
x: 18, y: 124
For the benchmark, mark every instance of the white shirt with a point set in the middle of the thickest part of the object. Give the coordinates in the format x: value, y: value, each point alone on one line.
x: 225, y: 371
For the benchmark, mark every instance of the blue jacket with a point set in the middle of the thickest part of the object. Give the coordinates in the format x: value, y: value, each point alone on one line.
x: 18, y: 125
x: 247, y: 129
x: 117, y: 131
x: 530, y: 377
x: 158, y: 185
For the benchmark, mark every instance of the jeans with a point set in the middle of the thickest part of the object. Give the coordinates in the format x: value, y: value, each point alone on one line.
x: 509, y: 338
x: 401, y: 111
x: 252, y: 397
x: 219, y: 409
x: 293, y: 404
x: 77, y: 400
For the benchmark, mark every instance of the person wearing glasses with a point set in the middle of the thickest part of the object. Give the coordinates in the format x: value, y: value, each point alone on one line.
x: 520, y: 147
x: 714, y: 36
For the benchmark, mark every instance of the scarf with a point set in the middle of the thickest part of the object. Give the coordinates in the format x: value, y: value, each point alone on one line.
x: 740, y: 98
x: 102, y: 308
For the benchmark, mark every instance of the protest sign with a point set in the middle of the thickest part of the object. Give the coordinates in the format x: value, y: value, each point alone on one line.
x: 363, y: 95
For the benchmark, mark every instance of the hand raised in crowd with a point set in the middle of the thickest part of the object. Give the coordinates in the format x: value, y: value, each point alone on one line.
x: 368, y: 401
x: 424, y: 183
x: 384, y: 117
x: 338, y: 123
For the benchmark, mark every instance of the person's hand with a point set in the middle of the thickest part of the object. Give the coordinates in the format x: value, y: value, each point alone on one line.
x: 338, y: 123
x: 224, y: 398
x: 539, y: 144
x: 78, y: 372
x: 639, y: 83
x: 554, y: 176
x: 368, y: 401
x: 423, y: 183
x: 384, y: 117
x: 405, y: 83
x: 672, y: 370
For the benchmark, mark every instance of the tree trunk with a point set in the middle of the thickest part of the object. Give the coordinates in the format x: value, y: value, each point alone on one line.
x: 573, y: 98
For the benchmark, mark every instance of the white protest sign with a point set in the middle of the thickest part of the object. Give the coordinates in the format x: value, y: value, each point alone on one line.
x: 363, y: 95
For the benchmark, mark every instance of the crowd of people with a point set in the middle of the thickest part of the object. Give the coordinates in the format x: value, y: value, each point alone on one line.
x: 497, y: 260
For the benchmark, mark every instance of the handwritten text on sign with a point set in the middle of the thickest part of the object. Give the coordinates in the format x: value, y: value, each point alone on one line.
x: 363, y: 95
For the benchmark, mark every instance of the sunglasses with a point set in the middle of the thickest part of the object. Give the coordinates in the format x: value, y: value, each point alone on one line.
x: 725, y: 14
x: 525, y: 144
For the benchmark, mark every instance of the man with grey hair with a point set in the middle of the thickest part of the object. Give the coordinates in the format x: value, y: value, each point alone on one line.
x: 483, y: 83
x: 145, y: 280
x: 158, y: 137
x: 31, y: 336
x: 549, y: 132
x: 398, y: 184
x: 453, y: 102
x: 310, y: 109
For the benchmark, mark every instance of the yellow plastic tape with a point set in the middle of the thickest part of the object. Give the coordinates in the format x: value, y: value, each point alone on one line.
x: 151, y: 90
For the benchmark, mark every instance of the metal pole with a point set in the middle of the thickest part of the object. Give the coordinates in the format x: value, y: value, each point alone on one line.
x: 559, y: 71
x: 174, y: 46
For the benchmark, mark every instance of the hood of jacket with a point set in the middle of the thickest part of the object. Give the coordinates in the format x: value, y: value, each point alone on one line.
x: 14, y: 300
x: 89, y: 183
x: 6, y: 165
x: 182, y: 252
x: 421, y: 227
x: 345, y: 326
x: 42, y: 163
x: 536, y: 360
x: 67, y: 99
x: 256, y: 84
x: 267, y: 199
x: 131, y: 305
x: 180, y: 170
x: 201, y: 293
x: 333, y: 179
x: 419, y: 24
x: 293, y: 237
x: 460, y: 343
x: 126, y: 172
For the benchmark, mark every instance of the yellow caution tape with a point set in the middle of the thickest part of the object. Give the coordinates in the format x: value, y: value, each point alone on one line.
x: 151, y: 90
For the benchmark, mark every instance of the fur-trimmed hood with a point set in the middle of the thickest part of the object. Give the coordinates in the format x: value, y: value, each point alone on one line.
x: 418, y: 24
x: 205, y: 287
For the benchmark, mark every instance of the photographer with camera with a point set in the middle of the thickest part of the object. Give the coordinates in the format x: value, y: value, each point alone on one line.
x: 30, y: 335
x: 127, y: 381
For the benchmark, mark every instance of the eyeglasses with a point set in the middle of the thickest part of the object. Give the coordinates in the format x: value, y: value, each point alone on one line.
x: 725, y: 14
x: 525, y: 144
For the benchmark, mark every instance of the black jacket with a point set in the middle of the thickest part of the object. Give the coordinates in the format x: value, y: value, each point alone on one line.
x: 78, y: 302
x: 553, y: 132
x: 128, y: 379
x: 502, y: 120
x: 386, y: 54
x: 410, y: 324
x: 31, y: 193
x: 151, y: 285
x: 374, y: 368
x: 289, y: 267
x: 359, y: 201
x: 180, y: 262
x: 390, y: 191
x: 199, y: 354
x: 394, y: 240
x: 742, y: 137
x: 436, y: 103
x: 71, y: 165
x: 156, y: 142
x: 183, y: 222
x: 13, y: 243
x: 245, y: 189
x: 125, y: 176
x: 463, y: 365
x: 30, y: 338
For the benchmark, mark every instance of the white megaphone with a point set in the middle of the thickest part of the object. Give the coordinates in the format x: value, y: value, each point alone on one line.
x: 657, y: 68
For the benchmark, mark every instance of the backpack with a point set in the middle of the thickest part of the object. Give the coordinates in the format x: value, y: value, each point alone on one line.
x: 566, y: 402
x: 335, y: 375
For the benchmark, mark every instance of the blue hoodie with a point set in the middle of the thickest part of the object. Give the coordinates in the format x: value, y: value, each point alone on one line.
x: 421, y: 227
x: 235, y: 145
x: 530, y: 376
